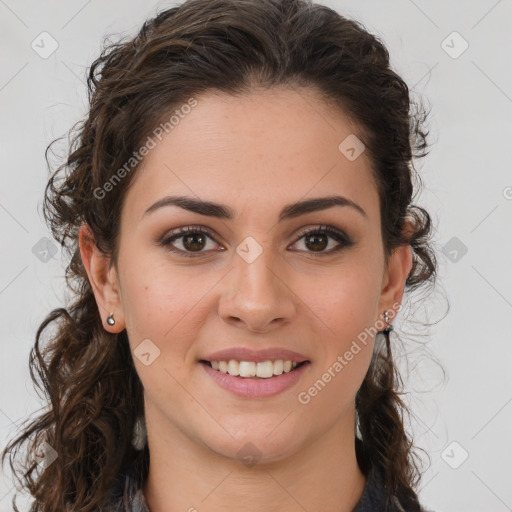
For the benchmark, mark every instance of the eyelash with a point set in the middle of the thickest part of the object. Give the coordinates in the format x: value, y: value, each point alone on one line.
x: 334, y: 233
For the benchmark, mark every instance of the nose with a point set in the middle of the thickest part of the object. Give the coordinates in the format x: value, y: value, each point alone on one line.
x: 258, y: 295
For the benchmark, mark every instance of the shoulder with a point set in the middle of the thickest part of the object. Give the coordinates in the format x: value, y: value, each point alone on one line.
x: 126, y: 494
x: 374, y: 496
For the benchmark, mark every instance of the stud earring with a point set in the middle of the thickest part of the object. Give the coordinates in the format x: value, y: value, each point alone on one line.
x: 389, y: 327
x: 110, y: 319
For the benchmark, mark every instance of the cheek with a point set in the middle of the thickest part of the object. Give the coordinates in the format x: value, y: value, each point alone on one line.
x: 344, y: 300
x: 345, y: 346
x: 344, y: 307
x: 156, y: 299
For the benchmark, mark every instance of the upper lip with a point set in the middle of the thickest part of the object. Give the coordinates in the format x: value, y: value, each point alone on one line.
x: 247, y: 354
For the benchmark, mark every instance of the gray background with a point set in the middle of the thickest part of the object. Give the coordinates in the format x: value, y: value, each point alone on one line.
x: 463, y: 421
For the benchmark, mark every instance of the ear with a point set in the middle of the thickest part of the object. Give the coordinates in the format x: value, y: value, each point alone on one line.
x: 393, y: 281
x: 104, y: 280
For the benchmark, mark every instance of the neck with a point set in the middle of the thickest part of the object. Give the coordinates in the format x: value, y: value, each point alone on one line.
x: 187, y: 476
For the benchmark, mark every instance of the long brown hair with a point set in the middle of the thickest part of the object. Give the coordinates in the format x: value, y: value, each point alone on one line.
x: 87, y: 374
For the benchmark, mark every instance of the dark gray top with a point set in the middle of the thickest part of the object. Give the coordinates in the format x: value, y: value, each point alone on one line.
x: 126, y: 495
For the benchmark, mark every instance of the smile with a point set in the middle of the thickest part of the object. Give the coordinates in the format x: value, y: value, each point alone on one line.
x: 255, y: 380
x: 248, y: 369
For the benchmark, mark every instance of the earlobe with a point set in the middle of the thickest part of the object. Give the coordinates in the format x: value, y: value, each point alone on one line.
x: 103, y: 281
x: 395, y: 277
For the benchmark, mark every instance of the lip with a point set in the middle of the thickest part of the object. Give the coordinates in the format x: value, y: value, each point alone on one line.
x: 247, y: 354
x: 256, y: 388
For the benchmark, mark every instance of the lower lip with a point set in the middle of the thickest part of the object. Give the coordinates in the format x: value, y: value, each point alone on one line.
x: 256, y: 388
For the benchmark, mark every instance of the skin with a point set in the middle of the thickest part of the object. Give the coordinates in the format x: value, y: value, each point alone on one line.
x: 255, y: 153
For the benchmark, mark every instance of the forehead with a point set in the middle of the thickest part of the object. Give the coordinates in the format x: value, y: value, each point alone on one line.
x: 256, y: 150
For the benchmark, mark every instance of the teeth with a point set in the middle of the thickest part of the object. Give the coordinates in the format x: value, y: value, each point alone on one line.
x: 263, y: 370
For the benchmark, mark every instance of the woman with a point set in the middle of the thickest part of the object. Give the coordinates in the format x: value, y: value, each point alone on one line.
x: 237, y: 206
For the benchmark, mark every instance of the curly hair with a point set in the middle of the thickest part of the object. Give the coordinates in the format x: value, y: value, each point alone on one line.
x: 87, y: 375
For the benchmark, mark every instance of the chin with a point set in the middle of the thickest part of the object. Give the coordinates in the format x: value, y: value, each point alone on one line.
x: 257, y: 449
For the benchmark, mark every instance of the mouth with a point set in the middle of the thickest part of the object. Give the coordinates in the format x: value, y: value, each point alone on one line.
x: 254, y: 370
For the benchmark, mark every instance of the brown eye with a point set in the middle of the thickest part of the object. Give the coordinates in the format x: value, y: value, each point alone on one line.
x: 194, y: 242
x: 190, y: 240
x: 316, y: 240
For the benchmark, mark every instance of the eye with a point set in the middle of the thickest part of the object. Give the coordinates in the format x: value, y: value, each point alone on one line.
x: 316, y: 240
x: 193, y: 239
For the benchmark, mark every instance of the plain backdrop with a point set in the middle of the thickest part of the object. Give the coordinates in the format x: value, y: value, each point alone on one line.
x: 456, y: 56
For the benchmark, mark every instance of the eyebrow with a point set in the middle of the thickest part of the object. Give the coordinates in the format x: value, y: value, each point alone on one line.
x: 221, y: 211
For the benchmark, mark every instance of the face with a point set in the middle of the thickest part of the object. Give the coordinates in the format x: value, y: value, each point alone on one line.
x: 254, y: 279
